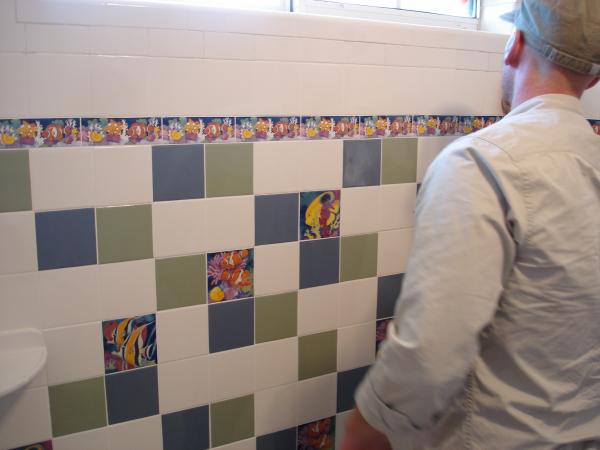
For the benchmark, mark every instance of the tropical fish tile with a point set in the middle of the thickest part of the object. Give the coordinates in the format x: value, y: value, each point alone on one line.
x: 330, y: 127
x: 596, y: 126
x: 319, y: 434
x: 46, y: 445
x: 190, y: 130
x: 320, y: 214
x: 129, y: 343
x: 120, y: 131
x: 427, y: 125
x: 39, y: 132
x: 267, y: 128
x: 381, y: 328
x: 386, y: 126
x: 230, y: 275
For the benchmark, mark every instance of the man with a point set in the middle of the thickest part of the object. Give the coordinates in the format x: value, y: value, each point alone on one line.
x: 496, y: 339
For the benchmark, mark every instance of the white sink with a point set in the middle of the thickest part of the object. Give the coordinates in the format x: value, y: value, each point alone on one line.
x: 23, y: 354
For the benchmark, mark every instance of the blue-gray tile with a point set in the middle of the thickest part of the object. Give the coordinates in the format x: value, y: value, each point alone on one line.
x: 347, y: 382
x: 362, y: 162
x: 388, y: 290
x: 319, y: 262
x: 65, y: 238
x: 281, y: 440
x: 178, y: 171
x: 132, y: 395
x: 185, y: 430
x: 230, y: 325
x: 276, y: 218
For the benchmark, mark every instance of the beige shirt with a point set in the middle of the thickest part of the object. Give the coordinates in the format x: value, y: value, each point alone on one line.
x: 496, y: 340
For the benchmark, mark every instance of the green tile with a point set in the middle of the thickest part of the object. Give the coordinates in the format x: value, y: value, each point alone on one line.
x: 276, y: 317
x: 232, y: 420
x: 124, y: 233
x: 180, y: 281
x: 78, y: 406
x: 317, y: 354
x: 228, y: 169
x: 15, y: 183
x: 359, y: 257
x: 399, y: 161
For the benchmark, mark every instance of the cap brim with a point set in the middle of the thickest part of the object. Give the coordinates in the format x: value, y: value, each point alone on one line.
x: 509, y: 16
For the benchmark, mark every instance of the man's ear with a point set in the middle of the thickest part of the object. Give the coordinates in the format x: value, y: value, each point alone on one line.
x: 593, y: 83
x: 514, y: 49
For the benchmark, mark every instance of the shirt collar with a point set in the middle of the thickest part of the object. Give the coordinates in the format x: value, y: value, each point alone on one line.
x: 560, y: 101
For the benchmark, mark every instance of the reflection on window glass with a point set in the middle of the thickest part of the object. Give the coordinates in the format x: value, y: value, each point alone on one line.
x: 461, y: 8
x: 237, y: 4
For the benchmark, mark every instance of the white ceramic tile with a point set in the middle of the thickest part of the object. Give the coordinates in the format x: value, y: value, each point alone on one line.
x: 428, y: 149
x: 231, y: 374
x: 14, y: 100
x: 326, y: 51
x: 175, y: 43
x: 12, y: 34
x: 18, y: 243
x: 42, y: 38
x: 318, y: 309
x: 182, y: 333
x: 277, y: 48
x: 74, y: 353
x: 69, y: 296
x: 229, y: 46
x: 229, y: 223
x: 177, y: 227
x: 368, y: 53
x: 317, y: 95
x: 478, y: 93
x: 440, y: 85
x: 276, y: 363
x: 397, y: 205
x: 62, y: 178
x: 143, y: 433
x: 276, y: 268
x: 232, y: 95
x: 358, y: 302
x: 275, y: 409
x: 123, y: 175
x: 248, y: 444
x: 340, y: 428
x: 127, y: 289
x: 19, y: 302
x: 41, y: 11
x: 47, y: 71
x: 274, y: 89
x: 404, y: 55
x: 471, y: 60
x: 90, y: 440
x: 495, y: 62
x: 183, y: 384
x: 393, y: 251
x: 316, y: 398
x: 360, y: 210
x: 40, y: 380
x: 356, y: 346
x: 118, y: 41
x: 24, y: 418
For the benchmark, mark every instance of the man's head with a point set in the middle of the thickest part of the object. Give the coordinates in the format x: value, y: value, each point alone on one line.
x: 555, y: 48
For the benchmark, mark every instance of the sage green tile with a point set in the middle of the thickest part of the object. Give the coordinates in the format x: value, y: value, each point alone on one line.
x: 359, y: 257
x: 15, y: 182
x: 180, y: 281
x: 228, y: 169
x: 124, y: 233
x: 276, y: 317
x: 78, y: 406
x: 317, y: 354
x: 399, y: 160
x: 232, y: 420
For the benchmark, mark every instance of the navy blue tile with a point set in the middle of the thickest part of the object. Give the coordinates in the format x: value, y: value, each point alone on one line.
x: 347, y: 382
x: 132, y: 395
x: 178, y: 171
x: 319, y: 262
x: 281, y: 440
x: 65, y: 238
x: 362, y: 162
x: 230, y: 324
x: 388, y: 291
x: 185, y: 430
x: 276, y: 218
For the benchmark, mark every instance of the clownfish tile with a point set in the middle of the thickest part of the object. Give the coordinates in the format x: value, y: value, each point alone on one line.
x: 120, y: 130
x: 267, y: 128
x: 18, y: 133
x: 330, y: 127
x: 197, y: 130
x: 386, y: 126
x: 230, y: 275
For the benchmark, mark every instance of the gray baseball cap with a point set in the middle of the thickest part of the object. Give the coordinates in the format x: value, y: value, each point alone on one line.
x: 567, y: 32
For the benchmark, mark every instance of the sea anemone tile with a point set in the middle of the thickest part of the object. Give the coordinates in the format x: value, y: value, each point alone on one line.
x: 386, y: 126
x: 330, y: 127
x: 120, y: 130
x: 230, y: 275
x: 267, y: 128
x: 39, y: 132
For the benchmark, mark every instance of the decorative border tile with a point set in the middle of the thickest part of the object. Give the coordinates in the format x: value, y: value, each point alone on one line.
x: 596, y: 126
x: 319, y: 434
x: 230, y: 275
x: 320, y: 214
x: 268, y: 128
x: 120, y: 130
x: 381, y: 332
x: 46, y: 445
x: 129, y: 343
x: 190, y: 130
x: 386, y: 126
x: 15, y: 133
x: 330, y: 127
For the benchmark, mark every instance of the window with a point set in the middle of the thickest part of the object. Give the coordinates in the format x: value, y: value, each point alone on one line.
x: 273, y: 5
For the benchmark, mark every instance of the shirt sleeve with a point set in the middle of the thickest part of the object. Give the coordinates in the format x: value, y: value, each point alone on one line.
x: 462, y: 252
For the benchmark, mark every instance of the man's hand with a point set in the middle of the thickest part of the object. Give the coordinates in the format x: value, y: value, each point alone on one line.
x: 362, y: 436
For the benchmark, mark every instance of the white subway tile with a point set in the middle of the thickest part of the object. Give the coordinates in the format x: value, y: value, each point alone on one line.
x: 18, y: 243
x: 276, y: 268
x: 42, y: 38
x: 275, y: 90
x: 90, y: 440
x: 470, y: 60
x: 316, y: 398
x: 227, y: 88
x: 276, y: 48
x: 356, y: 346
x: 394, y: 249
x: 182, y: 333
x: 275, y: 409
x: 229, y: 223
x: 177, y: 227
x: 231, y: 374
x: 397, y: 205
x: 143, y: 433
x: 322, y: 91
x: 318, y: 309
x: 326, y: 51
x: 229, y: 46
x: 12, y: 34
x: 441, y: 98
x: 360, y: 210
x: 175, y: 43
x: 368, y: 53
x: 20, y: 301
x: 406, y: 55
x: 358, y: 302
x: 15, y: 92
x: 123, y: 41
x: 183, y: 384
x: 495, y: 62
x: 276, y: 363
x: 61, y: 177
